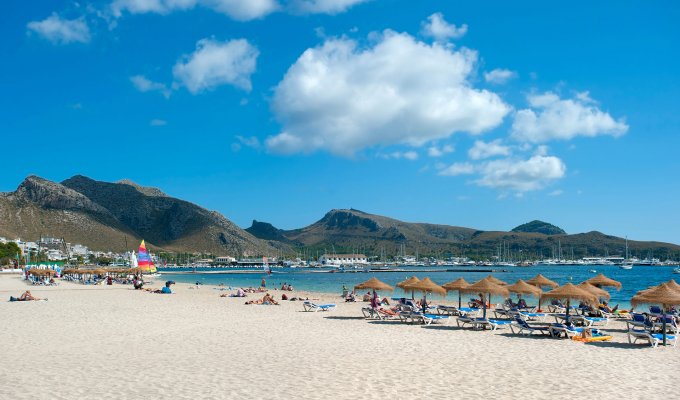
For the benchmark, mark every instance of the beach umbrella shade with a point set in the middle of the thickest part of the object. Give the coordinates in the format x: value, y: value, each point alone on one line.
x: 374, y: 284
x: 409, y: 281
x: 426, y: 286
x: 600, y: 293
x: 570, y: 292
x: 664, y: 295
x: 486, y: 285
x: 496, y: 280
x: 602, y: 281
x: 456, y: 285
x: 673, y: 285
x: 521, y: 287
x: 542, y: 282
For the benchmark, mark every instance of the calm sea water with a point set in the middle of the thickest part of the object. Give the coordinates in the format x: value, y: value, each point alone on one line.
x: 640, y: 277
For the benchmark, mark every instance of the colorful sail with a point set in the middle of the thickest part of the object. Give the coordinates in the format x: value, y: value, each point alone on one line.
x: 144, y: 261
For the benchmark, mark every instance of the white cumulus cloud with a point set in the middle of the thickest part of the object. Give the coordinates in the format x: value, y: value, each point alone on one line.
x: 521, y: 175
x: 458, y: 169
x: 481, y: 149
x: 236, y: 9
x: 436, y: 27
x: 553, y: 118
x: 216, y: 63
x: 61, y: 31
x: 323, y: 6
x: 499, y: 76
x: 407, y: 155
x: 342, y: 98
x: 434, y: 151
x: 143, y: 84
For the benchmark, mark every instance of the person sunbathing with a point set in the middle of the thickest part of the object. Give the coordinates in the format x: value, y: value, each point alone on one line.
x: 239, y: 293
x: 267, y: 299
x: 521, y: 303
x: 26, y: 296
x: 605, y: 307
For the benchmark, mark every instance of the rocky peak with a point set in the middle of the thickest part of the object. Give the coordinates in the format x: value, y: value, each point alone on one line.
x: 147, y: 191
x: 48, y: 194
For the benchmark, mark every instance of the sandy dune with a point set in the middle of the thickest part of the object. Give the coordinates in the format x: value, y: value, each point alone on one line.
x: 116, y: 343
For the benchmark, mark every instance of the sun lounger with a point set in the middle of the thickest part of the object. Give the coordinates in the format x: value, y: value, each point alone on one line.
x: 482, y: 323
x: 448, y: 310
x: 556, y: 330
x: 524, y: 328
x: 427, y: 319
x: 597, y: 321
x: 309, y: 306
x: 370, y: 312
x: 653, y: 338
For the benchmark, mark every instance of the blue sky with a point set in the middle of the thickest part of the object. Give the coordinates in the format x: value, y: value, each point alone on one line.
x: 481, y: 115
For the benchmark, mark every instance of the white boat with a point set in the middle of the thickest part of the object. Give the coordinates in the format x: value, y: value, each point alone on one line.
x: 676, y: 270
x: 627, y: 263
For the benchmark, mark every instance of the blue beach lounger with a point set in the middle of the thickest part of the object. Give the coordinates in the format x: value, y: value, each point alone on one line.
x: 309, y: 306
x: 523, y: 327
x: 653, y: 338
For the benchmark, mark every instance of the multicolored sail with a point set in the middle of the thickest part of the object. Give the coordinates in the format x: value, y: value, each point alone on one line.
x: 144, y: 261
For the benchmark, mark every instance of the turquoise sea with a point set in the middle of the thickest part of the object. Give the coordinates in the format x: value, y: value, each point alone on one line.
x: 638, y: 278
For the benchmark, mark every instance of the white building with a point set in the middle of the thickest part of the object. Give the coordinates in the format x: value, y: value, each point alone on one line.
x: 79, y: 250
x: 224, y: 260
x: 340, y: 259
x: 55, y: 255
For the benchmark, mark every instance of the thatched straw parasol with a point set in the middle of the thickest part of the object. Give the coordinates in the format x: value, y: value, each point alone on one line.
x: 600, y: 293
x: 673, y: 285
x: 69, y: 271
x: 521, y: 287
x: 456, y: 285
x: 496, y: 280
x: 541, y: 282
x: 426, y: 286
x: 486, y: 285
x: 407, y: 282
x: 602, y: 281
x: 374, y: 284
x: 570, y: 292
x: 664, y: 295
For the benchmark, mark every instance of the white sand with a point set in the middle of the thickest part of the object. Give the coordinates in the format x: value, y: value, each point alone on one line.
x: 99, y: 342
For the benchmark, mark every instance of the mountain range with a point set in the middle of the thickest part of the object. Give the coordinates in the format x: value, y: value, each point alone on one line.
x: 350, y: 230
x: 114, y: 215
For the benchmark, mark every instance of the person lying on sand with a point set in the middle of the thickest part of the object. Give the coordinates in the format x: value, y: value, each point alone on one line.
x: 239, y: 293
x: 266, y: 300
x: 26, y: 296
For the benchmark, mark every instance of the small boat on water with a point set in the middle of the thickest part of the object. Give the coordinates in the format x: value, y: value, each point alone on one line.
x: 676, y: 270
x: 625, y: 266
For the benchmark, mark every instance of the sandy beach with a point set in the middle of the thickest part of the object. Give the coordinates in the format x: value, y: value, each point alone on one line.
x: 111, y: 342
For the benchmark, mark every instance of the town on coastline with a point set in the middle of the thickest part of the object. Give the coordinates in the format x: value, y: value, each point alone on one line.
x: 46, y: 250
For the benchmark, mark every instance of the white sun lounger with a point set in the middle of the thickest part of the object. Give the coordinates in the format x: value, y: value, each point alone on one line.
x: 313, y: 307
x: 653, y: 338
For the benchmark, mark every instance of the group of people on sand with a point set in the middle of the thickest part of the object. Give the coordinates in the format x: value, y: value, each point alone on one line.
x: 26, y: 296
x: 287, y: 287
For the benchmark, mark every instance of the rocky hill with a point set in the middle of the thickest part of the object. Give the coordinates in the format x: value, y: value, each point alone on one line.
x: 537, y: 226
x: 103, y: 214
x: 353, y: 230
